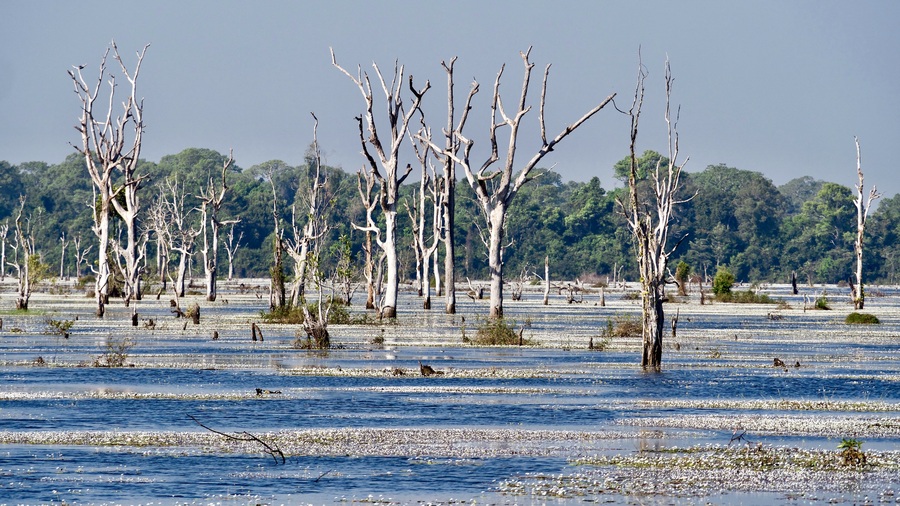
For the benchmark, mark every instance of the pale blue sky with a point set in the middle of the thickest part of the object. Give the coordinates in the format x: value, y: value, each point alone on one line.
x: 779, y: 87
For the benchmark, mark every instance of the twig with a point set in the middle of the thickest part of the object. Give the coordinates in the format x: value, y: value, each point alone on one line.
x: 274, y: 452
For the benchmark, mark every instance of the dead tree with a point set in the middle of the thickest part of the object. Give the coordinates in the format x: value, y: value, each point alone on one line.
x: 449, y: 192
x: 103, y: 145
x: 862, y: 210
x: 649, y: 219
x: 159, y: 225
x: 277, y: 292
x: 398, y: 117
x: 495, y: 188
x: 301, y: 245
x: 429, y: 182
x: 4, y: 232
x: 62, y: 254
x: 369, y: 204
x: 25, y: 261
x: 231, y: 247
x: 176, y: 230
x: 80, y: 254
x: 211, y: 199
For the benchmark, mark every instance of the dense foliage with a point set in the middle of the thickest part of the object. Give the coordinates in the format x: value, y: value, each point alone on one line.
x: 736, y: 218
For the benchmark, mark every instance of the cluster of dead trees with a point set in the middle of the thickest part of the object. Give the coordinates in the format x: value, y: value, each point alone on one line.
x: 392, y: 117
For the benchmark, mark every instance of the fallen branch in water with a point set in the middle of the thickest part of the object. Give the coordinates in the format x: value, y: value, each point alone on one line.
x: 272, y: 449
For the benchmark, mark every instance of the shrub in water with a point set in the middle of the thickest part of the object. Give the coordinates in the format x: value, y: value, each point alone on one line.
x: 498, y: 332
x: 723, y: 281
x: 862, y: 318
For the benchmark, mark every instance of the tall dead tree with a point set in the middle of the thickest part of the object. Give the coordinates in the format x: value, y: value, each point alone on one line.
x: 649, y: 216
x: 4, y: 232
x: 231, y: 247
x: 80, y: 254
x: 449, y: 193
x: 175, y: 229
x: 429, y: 183
x: 369, y: 203
x: 862, y: 211
x: 495, y: 188
x: 25, y: 261
x: 62, y: 254
x: 211, y: 199
x: 103, y: 145
x: 277, y: 292
x: 299, y: 247
x: 389, y: 181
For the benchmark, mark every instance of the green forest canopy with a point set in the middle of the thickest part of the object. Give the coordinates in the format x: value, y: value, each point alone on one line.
x: 738, y: 218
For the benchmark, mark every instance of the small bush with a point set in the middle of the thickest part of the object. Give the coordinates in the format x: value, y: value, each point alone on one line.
x: 285, y: 314
x: 59, y: 327
x: 499, y: 332
x: 862, y: 319
x: 84, y: 281
x: 623, y: 326
x: 723, y: 281
x: 631, y: 296
x: 822, y: 303
x: 339, y: 314
x: 116, y: 353
x: 747, y: 297
x: 682, y: 275
x: 851, y: 452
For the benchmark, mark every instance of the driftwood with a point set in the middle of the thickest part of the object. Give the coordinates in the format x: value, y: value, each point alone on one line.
x: 272, y: 449
x: 255, y: 332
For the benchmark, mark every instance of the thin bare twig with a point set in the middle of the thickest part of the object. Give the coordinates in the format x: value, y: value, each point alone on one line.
x: 272, y: 449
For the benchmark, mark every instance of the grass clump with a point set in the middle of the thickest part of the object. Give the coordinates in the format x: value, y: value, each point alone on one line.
x: 862, y: 319
x: 747, y: 297
x: 623, y: 326
x: 500, y: 332
x: 339, y: 314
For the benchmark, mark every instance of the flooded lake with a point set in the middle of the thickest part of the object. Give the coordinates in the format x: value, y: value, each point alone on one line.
x: 553, y: 423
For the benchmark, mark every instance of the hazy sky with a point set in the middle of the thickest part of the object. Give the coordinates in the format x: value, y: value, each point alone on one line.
x: 779, y: 87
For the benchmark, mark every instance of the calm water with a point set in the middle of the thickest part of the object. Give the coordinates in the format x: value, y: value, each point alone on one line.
x: 590, y: 391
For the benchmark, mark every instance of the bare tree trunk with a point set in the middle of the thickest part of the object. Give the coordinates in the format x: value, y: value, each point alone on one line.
x: 449, y: 199
x: 231, y: 249
x: 495, y: 260
x: 369, y: 272
x: 23, y: 248
x: 495, y: 189
x: 103, y: 148
x: 649, y: 220
x: 547, y: 280
x: 862, y: 211
x: 62, y: 255
x: 277, y: 299
x: 438, y: 287
x: 212, y: 198
x: 388, y: 176
x: 4, y: 231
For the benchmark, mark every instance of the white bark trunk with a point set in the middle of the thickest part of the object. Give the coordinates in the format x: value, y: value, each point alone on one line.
x: 392, y: 281
x: 496, y: 218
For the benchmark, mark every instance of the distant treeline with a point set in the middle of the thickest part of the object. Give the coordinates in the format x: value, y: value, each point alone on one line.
x: 735, y: 218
